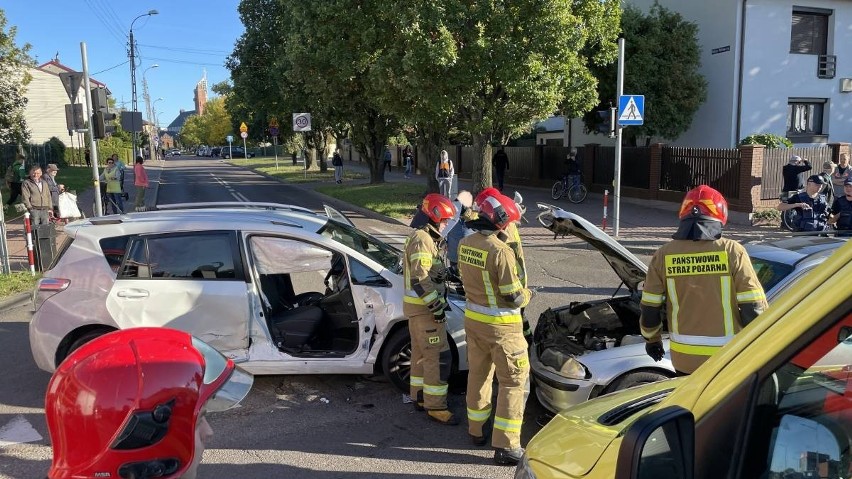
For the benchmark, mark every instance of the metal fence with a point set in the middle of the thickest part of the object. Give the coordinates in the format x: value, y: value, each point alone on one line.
x: 684, y: 168
x: 774, y: 160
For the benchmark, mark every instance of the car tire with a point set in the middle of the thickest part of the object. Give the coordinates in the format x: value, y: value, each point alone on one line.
x: 396, y: 359
x: 85, y: 338
x: 636, y: 378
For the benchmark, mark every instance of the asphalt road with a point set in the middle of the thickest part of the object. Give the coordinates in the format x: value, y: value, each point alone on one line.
x: 305, y: 426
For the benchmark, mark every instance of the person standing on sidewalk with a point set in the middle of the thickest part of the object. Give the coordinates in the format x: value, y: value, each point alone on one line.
x: 841, y: 174
x: 492, y: 324
x: 55, y: 188
x: 425, y: 307
x: 408, y: 160
x: 15, y: 177
x: 388, y: 157
x: 501, y: 165
x: 112, y: 177
x: 140, y: 180
x: 444, y: 173
x: 337, y: 163
x: 792, y: 174
x: 36, y: 194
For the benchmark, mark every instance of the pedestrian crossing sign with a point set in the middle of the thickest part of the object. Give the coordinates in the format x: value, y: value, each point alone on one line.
x: 631, y: 110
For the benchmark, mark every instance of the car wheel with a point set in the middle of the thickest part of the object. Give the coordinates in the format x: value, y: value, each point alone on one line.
x: 85, y: 338
x: 637, y: 378
x: 396, y: 359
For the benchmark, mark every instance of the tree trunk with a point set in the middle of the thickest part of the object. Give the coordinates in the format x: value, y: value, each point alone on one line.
x: 481, y: 177
x: 429, y: 143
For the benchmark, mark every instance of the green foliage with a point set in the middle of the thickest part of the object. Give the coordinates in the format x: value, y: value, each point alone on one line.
x: 662, y: 57
x: 211, y: 128
x: 15, y: 283
x: 767, y: 215
x: 14, y: 78
x: 768, y: 140
x: 397, y: 200
x: 57, y: 150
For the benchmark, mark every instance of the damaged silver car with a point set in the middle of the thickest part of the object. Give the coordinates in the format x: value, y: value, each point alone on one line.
x: 589, y: 348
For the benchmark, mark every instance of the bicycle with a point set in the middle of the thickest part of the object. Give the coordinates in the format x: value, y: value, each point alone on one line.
x: 572, y: 186
x: 106, y: 202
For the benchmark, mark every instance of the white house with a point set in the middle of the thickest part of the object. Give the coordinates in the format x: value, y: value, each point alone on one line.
x: 772, y: 66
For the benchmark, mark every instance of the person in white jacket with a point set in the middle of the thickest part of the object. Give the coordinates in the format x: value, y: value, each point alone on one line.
x: 444, y: 173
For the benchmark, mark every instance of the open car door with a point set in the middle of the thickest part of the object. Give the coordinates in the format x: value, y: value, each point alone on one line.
x: 333, y: 214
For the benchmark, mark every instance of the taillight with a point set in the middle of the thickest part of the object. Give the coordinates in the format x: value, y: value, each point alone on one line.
x: 47, y: 287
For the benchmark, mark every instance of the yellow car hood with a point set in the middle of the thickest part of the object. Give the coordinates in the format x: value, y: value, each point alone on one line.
x: 576, y: 438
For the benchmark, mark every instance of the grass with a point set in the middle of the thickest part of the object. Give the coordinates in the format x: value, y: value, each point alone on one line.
x: 396, y: 200
x: 75, y: 178
x: 17, y: 283
x: 294, y: 174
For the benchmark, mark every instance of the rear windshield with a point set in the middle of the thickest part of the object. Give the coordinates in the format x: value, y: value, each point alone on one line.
x: 66, y: 243
x: 770, y: 273
x: 114, y: 250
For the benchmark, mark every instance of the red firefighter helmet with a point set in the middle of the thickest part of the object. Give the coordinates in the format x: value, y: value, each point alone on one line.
x: 490, y: 191
x: 438, y: 207
x: 126, y: 404
x: 499, y: 209
x: 704, y: 202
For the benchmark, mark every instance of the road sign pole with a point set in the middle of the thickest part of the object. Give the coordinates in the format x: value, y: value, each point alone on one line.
x: 275, y: 149
x: 93, y: 145
x: 616, y: 205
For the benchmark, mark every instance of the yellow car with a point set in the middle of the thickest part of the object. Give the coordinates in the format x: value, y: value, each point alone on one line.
x: 775, y: 402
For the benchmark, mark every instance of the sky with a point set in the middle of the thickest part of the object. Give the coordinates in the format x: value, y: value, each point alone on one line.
x: 185, y: 38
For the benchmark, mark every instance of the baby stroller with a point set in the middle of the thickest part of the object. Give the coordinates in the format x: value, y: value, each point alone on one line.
x: 68, y: 209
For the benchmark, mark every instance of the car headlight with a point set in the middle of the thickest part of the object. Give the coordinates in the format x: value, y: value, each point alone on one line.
x: 565, y: 364
x: 524, y: 471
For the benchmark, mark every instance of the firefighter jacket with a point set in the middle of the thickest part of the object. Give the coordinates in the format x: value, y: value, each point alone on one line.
x: 703, y: 284
x: 513, y: 239
x: 489, y: 273
x: 422, y: 263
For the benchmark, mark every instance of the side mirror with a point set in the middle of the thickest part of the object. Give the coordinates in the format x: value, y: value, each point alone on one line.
x: 844, y: 334
x: 660, y: 445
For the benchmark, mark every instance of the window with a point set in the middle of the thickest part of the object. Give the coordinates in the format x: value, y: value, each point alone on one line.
x: 201, y: 256
x: 363, y: 275
x: 810, y: 31
x: 113, y: 250
x: 804, y: 116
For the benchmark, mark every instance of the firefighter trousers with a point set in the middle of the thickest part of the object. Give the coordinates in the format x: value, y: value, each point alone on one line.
x: 500, y: 349
x: 431, y: 359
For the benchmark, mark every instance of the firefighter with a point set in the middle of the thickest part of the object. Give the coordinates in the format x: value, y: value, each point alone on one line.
x: 706, y: 282
x: 132, y: 403
x: 495, y: 341
x: 425, y: 307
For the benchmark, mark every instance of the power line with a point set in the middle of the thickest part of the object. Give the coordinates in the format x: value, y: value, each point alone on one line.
x: 111, y: 68
x: 198, y: 51
x: 108, y: 25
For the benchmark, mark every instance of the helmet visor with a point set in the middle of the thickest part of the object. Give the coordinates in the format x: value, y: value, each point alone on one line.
x: 233, y: 389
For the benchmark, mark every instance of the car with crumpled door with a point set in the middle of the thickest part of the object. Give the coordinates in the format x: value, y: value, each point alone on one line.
x: 774, y: 402
x: 278, y: 288
x: 589, y: 348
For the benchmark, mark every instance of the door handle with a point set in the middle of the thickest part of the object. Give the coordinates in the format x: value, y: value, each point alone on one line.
x: 132, y: 294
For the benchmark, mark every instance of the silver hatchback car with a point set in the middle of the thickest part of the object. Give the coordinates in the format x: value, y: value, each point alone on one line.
x: 278, y: 288
x: 586, y: 349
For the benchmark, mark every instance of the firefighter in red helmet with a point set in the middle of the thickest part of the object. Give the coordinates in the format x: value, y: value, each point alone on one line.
x: 132, y: 404
x: 493, y: 328
x: 706, y: 283
x: 425, y: 307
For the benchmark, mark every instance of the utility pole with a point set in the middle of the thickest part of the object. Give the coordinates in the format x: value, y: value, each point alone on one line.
x: 133, y: 101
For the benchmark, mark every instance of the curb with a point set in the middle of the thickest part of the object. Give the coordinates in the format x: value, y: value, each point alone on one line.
x: 15, y: 301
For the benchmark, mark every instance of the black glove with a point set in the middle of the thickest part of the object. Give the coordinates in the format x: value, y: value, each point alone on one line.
x: 528, y: 334
x: 655, y: 350
x: 440, y: 317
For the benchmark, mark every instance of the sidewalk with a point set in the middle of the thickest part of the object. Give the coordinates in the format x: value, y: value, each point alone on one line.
x: 16, y: 239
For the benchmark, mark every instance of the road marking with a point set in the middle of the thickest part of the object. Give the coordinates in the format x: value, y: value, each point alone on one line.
x: 18, y: 431
x: 240, y: 197
x: 388, y: 236
x: 237, y: 196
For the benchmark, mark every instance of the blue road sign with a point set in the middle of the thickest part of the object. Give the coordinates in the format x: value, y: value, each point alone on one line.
x: 631, y: 110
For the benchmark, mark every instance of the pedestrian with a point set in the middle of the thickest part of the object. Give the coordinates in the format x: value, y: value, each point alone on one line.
x: 827, y: 176
x: 119, y: 164
x: 841, y: 211
x: 293, y: 157
x: 793, y: 176
x: 54, y: 187
x: 133, y: 403
x: 408, y: 160
x: 444, y: 173
x: 112, y: 177
x: 841, y: 174
x: 456, y: 228
x: 495, y: 342
x: 387, y: 158
x: 425, y: 306
x: 812, y: 205
x: 36, y: 195
x: 88, y: 158
x: 706, y: 283
x: 501, y: 165
x: 140, y: 180
x: 337, y: 163
x: 15, y: 177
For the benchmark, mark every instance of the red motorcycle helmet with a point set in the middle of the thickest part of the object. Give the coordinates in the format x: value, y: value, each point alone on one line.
x: 127, y: 404
x: 704, y: 202
x: 438, y: 208
x: 499, y: 209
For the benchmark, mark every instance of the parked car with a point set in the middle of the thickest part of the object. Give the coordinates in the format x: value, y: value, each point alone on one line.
x: 776, y: 401
x: 279, y: 288
x: 201, y: 151
x: 235, y: 152
x: 586, y: 349
x: 215, y: 151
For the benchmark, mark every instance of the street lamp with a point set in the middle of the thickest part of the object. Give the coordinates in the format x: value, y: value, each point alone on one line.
x: 155, y: 131
x: 133, y: 104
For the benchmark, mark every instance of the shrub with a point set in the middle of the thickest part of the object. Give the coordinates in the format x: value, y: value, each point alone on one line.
x: 768, y: 214
x: 768, y: 140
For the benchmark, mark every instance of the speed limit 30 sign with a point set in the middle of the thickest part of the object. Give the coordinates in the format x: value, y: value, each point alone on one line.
x: 301, y: 122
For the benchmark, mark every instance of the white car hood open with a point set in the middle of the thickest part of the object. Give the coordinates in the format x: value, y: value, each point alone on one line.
x: 626, y: 265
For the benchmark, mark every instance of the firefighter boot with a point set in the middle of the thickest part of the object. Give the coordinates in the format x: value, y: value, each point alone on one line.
x: 443, y: 416
x: 508, y: 456
x: 418, y: 402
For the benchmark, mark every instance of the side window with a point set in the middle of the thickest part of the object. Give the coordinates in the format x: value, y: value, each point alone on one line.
x: 290, y: 267
x: 364, y: 276
x: 114, y: 249
x: 200, y: 256
x: 803, y: 420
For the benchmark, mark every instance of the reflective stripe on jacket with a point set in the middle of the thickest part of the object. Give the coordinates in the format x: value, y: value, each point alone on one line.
x: 701, y: 284
x: 489, y: 273
x: 513, y: 239
x: 421, y: 254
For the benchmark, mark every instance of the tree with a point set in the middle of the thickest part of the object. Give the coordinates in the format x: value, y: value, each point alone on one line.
x: 14, y: 78
x: 671, y: 83
x: 211, y: 128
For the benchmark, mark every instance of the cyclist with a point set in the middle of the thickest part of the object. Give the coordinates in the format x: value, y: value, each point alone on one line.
x: 573, y: 167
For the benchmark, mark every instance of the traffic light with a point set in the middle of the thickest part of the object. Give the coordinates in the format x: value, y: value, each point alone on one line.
x: 103, y: 124
x: 99, y: 99
x: 606, y: 125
